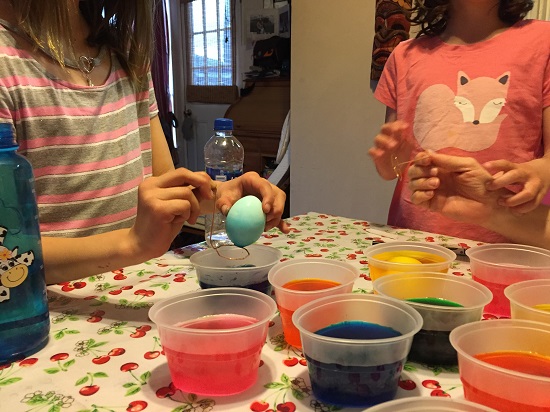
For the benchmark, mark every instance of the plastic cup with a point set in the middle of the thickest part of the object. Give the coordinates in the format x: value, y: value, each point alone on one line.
x: 351, y: 372
x: 524, y: 296
x: 431, y: 344
x: 499, y: 265
x: 213, y: 338
x: 501, y: 388
x: 425, y: 404
x: 433, y: 258
x: 251, y: 272
x: 289, y: 300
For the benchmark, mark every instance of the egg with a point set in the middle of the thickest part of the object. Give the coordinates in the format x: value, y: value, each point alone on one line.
x: 404, y: 259
x: 245, y: 221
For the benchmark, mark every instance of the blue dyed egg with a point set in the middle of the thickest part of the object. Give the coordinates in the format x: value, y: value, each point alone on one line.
x: 245, y: 221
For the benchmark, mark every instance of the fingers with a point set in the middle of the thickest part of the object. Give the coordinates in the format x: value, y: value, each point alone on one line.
x: 172, y: 194
x: 184, y: 177
x: 422, y: 198
x: 524, y: 201
x: 505, y: 174
x: 273, y: 199
x: 283, y: 227
x: 388, y: 140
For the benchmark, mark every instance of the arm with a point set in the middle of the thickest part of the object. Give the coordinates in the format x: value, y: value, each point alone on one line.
x: 388, y: 143
x: 457, y: 188
x: 162, y: 160
x: 164, y: 204
x: 532, y: 178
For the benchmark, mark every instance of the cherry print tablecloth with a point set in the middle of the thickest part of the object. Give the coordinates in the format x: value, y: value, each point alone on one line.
x: 105, y: 355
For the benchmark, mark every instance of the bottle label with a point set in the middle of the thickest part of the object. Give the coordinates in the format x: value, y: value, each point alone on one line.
x: 222, y: 175
x: 14, y: 266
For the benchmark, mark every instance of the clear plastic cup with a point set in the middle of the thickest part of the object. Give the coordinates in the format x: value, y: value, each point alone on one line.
x: 425, y: 404
x: 502, y: 388
x: 213, y: 338
x: 351, y: 372
x: 525, y: 296
x: 432, y: 258
x: 215, y: 271
x: 317, y: 269
x: 431, y: 344
x: 499, y: 265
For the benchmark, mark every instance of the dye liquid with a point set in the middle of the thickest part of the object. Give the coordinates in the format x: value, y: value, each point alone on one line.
x: 213, y: 372
x: 400, y: 255
x: 292, y: 334
x: 525, y: 362
x: 310, y: 284
x: 519, y: 361
x: 352, y: 385
x: 500, y: 305
x: 264, y: 287
x: 543, y: 306
x: 432, y: 347
x: 436, y: 302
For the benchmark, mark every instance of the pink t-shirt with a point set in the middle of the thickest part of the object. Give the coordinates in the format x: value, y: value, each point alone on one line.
x: 483, y: 100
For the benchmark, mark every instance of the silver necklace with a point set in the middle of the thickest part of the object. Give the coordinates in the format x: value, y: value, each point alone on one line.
x: 84, y: 64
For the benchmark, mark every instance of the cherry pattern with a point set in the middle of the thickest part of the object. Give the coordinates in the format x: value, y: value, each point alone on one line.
x: 297, y: 387
x: 121, y: 327
x: 187, y: 401
x: 62, y: 363
x: 154, y: 353
x: 96, y: 316
x: 8, y: 370
x: 86, y: 338
x: 134, y: 387
x: 436, y: 389
x: 136, y: 406
x: 91, y: 388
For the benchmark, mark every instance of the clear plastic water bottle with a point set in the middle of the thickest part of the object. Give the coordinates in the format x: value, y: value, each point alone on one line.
x: 24, y: 316
x: 223, y: 158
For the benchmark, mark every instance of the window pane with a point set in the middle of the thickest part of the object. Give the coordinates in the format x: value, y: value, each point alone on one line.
x: 196, y: 7
x: 225, y: 15
x: 211, y: 10
x: 227, y: 50
x: 211, y: 48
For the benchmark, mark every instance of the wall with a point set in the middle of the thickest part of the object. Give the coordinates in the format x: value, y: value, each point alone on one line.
x: 334, y: 114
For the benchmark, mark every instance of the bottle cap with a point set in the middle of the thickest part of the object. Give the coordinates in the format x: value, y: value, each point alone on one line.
x: 223, y: 124
x: 7, y: 139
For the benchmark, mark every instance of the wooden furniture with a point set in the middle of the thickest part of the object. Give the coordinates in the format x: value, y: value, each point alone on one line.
x: 258, y: 118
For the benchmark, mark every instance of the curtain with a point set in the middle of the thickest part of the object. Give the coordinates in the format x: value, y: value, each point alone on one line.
x: 541, y: 10
x: 160, y: 75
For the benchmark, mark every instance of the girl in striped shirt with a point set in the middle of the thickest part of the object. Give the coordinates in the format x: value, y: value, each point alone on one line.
x: 75, y: 84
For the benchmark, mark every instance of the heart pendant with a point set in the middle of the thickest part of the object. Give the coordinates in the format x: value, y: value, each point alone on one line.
x: 87, y: 64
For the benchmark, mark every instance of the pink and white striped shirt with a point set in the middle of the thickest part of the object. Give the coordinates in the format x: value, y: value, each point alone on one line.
x: 90, y: 147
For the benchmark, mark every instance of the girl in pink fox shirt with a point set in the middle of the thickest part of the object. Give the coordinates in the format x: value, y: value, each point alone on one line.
x: 475, y: 82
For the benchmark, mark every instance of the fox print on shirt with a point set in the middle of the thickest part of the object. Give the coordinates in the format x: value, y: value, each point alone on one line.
x: 469, y: 120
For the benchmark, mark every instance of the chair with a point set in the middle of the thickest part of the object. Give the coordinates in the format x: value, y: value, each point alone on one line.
x: 280, y: 177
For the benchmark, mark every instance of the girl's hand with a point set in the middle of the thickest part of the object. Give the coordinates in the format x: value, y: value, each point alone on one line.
x: 273, y: 199
x: 527, y: 188
x: 390, y: 144
x: 165, y: 203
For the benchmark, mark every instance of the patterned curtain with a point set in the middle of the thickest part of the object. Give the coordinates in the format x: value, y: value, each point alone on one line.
x: 159, y: 72
x: 391, y: 27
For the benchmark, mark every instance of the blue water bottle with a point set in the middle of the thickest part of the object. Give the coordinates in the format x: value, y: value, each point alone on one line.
x: 24, y: 316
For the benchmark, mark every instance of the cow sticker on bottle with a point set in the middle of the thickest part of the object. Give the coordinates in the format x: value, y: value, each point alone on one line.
x: 14, y: 266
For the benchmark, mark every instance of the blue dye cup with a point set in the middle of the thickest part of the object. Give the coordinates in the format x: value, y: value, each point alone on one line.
x: 356, y: 346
